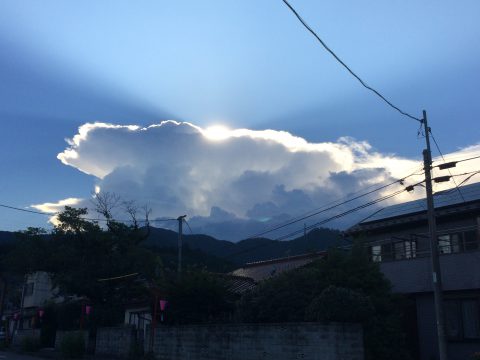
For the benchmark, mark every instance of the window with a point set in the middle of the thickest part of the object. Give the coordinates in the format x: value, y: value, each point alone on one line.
x: 376, y: 251
x: 449, y: 243
x: 470, y: 240
x: 462, y: 319
x: 405, y: 250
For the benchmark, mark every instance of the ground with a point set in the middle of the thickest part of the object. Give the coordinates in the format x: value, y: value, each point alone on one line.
x: 13, y: 356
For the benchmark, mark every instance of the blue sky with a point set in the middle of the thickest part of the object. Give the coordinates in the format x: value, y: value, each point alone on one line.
x: 244, y: 64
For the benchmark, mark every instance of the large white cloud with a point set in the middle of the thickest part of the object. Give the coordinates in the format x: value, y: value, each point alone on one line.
x: 257, y: 176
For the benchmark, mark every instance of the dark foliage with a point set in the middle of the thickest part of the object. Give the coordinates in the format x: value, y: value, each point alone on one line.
x: 72, y: 346
x: 344, y: 287
x: 199, y: 297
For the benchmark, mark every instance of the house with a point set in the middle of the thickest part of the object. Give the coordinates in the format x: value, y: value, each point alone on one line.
x: 33, y: 293
x: 262, y: 270
x: 398, y: 239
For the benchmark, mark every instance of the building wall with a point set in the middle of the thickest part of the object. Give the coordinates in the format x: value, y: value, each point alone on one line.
x: 259, y: 341
x: 41, y: 292
x: 427, y: 332
x: 460, y: 271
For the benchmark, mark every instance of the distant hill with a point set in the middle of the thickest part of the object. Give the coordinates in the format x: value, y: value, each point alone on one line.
x: 222, y: 255
x: 6, y: 236
x: 248, y: 250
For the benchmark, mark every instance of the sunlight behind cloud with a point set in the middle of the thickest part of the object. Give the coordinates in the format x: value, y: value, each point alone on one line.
x: 217, y: 133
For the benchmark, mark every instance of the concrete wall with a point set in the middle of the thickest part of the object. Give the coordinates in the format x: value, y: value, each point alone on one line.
x: 20, y: 335
x: 115, y: 341
x: 310, y: 341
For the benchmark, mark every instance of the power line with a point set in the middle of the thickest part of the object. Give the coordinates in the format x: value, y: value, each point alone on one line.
x: 346, y: 66
x: 189, y: 228
x: 348, y: 212
x: 471, y: 173
x: 118, y: 277
x: 438, y: 148
x: 83, y: 218
x: 459, y: 161
x: 25, y: 210
x: 326, y: 207
x: 321, y: 222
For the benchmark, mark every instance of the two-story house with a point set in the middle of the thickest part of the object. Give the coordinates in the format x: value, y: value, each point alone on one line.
x: 397, y: 237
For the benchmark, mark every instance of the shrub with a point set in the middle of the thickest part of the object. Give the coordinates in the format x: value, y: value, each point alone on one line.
x: 339, y: 304
x: 72, y: 346
x: 30, y: 343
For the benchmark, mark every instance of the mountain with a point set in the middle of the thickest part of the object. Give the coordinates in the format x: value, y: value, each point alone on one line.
x: 248, y: 250
x: 221, y: 255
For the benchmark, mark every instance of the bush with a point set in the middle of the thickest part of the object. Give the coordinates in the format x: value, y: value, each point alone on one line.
x: 340, y: 304
x: 72, y: 346
x: 30, y: 344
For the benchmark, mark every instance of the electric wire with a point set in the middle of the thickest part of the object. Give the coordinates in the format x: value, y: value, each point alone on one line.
x: 189, y: 228
x: 118, y: 277
x: 331, y: 205
x: 324, y: 221
x: 83, y: 218
x: 462, y: 160
x: 441, y: 154
x: 345, y: 213
x: 471, y: 175
x: 25, y: 210
x: 363, y: 206
x: 346, y: 66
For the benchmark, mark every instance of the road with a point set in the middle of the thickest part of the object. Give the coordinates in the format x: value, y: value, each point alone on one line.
x: 13, y: 356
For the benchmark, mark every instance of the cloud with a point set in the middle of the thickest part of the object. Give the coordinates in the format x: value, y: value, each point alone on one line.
x: 218, y: 176
x: 52, y: 208
x: 56, y: 207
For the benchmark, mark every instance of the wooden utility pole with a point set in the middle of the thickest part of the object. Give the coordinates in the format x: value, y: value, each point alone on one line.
x: 180, y: 233
x: 432, y: 225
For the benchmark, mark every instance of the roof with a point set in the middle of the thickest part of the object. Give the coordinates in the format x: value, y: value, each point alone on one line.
x: 443, y: 200
x: 239, y: 284
x: 262, y: 270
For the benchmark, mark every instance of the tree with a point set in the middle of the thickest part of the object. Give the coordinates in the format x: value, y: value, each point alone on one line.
x: 199, y: 297
x: 106, y: 267
x: 345, y: 287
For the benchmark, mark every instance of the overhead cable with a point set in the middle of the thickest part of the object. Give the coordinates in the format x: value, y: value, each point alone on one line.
x: 328, y: 206
x: 438, y: 148
x: 346, y: 66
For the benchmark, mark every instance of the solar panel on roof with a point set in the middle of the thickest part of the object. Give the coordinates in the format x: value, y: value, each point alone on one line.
x: 441, y: 199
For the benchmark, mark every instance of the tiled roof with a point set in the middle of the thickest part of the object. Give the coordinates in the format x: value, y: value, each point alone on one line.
x: 239, y: 284
x: 262, y: 270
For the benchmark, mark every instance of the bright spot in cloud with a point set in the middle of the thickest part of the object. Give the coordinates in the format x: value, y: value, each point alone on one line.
x: 217, y: 132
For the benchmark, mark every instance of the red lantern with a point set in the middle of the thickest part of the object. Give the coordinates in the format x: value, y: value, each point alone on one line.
x: 88, y: 309
x: 41, y: 312
x: 163, y: 304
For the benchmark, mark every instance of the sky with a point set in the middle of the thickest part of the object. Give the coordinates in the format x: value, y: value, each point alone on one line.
x: 266, y: 125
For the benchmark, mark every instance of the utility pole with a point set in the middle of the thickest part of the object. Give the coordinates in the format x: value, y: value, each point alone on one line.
x: 305, y: 236
x: 180, y: 231
x: 436, y: 272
